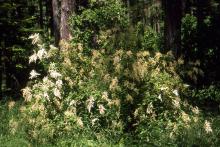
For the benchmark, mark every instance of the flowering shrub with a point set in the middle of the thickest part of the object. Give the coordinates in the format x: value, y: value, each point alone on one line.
x: 116, y: 92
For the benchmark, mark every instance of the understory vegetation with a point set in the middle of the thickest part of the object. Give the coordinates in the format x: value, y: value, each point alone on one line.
x: 106, y: 98
x: 113, y: 84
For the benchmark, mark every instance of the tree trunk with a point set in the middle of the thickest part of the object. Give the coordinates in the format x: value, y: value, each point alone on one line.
x: 172, y: 25
x: 56, y: 21
x: 67, y: 9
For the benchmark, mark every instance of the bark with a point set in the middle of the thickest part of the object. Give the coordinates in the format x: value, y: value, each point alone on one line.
x: 56, y: 21
x: 67, y: 9
x: 172, y: 25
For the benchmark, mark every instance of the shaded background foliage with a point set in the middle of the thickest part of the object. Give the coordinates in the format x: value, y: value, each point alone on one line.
x: 19, y: 19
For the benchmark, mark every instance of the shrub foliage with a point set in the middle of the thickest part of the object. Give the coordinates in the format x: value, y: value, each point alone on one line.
x: 106, y: 94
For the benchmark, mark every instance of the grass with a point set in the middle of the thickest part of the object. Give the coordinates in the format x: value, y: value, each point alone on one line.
x: 10, y: 110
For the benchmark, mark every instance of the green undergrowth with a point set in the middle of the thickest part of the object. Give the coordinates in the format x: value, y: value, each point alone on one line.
x: 12, y: 133
x: 105, y: 98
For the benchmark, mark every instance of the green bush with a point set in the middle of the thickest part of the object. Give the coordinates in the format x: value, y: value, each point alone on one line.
x: 96, y: 25
x: 104, y: 95
x: 208, y: 93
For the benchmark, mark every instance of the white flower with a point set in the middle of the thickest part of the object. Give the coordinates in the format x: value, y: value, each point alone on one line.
x: 176, y: 103
x: 68, y: 114
x: 57, y: 93
x: 46, y: 96
x: 41, y: 53
x: 47, y: 83
x: 129, y: 98
x: 59, y: 83
x: 79, y: 122
x: 94, y: 120
x: 150, y: 108
x: 113, y: 84
x: 54, y: 74
x: 101, y: 109
x: 136, y: 113
x: 175, y: 92
x: 105, y: 96
x: 185, y: 117
x: 129, y: 53
x: 73, y: 102
x: 53, y: 47
x: 207, y: 127
x: 52, y: 66
x: 195, y: 119
x: 116, y: 60
x: 33, y: 74
x: 195, y: 110
x: 163, y: 88
x: 90, y: 103
x: 33, y: 58
x: 11, y: 104
x: 45, y: 79
x: 160, y: 97
x: 186, y: 85
x: 26, y: 92
x: 35, y: 38
x: 146, y: 53
x: 80, y: 47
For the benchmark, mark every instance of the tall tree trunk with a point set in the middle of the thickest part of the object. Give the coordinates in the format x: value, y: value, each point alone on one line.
x: 172, y: 25
x: 67, y: 9
x: 56, y: 21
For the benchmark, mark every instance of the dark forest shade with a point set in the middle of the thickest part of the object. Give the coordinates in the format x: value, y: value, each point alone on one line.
x: 41, y: 13
x: 203, y: 10
x: 172, y: 25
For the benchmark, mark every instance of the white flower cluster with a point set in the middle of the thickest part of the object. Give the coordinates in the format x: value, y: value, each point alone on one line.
x: 114, y: 84
x: 33, y: 74
x: 41, y: 53
x: 90, y: 103
x: 57, y: 93
x: 54, y: 74
x: 207, y: 127
x: 26, y: 92
x: 33, y: 58
x: 175, y: 92
x: 35, y: 38
x: 101, y: 109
